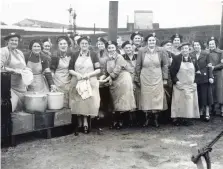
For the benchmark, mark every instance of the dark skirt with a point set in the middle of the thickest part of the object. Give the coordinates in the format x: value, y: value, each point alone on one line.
x: 205, y: 96
x: 106, y: 101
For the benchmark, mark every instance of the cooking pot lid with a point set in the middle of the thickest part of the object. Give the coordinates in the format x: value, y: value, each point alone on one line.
x: 55, y: 93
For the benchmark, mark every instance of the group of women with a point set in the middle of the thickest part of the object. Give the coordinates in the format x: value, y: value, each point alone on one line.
x: 131, y: 82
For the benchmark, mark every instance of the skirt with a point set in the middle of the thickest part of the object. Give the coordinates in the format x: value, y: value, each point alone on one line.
x: 205, y: 97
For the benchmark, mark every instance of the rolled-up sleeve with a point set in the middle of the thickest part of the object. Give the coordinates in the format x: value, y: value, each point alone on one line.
x: 138, y: 67
x: 4, y: 58
x: 95, y: 61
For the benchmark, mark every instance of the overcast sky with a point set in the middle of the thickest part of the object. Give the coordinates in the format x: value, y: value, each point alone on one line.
x: 169, y: 13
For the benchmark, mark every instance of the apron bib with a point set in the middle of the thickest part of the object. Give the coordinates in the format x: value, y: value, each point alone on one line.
x: 185, y: 99
x: 39, y: 82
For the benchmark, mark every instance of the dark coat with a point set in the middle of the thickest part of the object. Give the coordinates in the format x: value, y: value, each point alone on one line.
x: 175, y: 66
x: 206, y: 72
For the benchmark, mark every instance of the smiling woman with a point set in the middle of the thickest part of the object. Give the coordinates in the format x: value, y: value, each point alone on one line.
x: 37, y: 61
x: 12, y: 60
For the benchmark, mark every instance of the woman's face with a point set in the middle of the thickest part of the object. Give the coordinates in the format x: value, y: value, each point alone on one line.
x: 151, y: 41
x: 119, y: 41
x: 168, y: 46
x: 111, y: 49
x: 212, y: 45
x: 197, y: 46
x: 13, y: 43
x: 128, y: 49
x: 36, y: 48
x: 63, y: 45
x: 137, y: 40
x: 101, y: 45
x: 46, y: 46
x: 84, y: 45
x: 176, y: 42
x: 185, y: 50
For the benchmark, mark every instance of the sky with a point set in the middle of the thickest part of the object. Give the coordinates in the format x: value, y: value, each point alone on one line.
x: 168, y: 13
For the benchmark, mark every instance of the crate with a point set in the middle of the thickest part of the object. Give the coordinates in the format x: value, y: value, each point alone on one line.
x: 62, y: 117
x: 44, y: 120
x: 22, y: 122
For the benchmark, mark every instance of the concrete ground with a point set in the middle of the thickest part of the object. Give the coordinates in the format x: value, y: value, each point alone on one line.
x: 136, y: 148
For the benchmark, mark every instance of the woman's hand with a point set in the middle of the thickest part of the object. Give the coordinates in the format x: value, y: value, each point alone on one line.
x: 211, y: 80
x: 209, y: 65
x: 53, y: 88
x: 165, y: 82
x: 86, y: 76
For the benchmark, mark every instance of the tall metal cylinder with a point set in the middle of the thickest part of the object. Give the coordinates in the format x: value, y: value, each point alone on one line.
x: 221, y: 29
x: 113, y: 20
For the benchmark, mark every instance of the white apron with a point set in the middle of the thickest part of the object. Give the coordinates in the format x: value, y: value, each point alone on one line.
x: 151, y: 79
x: 89, y: 106
x: 62, y: 79
x: 184, y: 97
x: 121, y: 90
x: 39, y: 82
x: 18, y: 88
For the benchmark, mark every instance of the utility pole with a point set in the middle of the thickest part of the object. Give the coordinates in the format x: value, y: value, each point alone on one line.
x: 113, y: 20
x: 221, y: 29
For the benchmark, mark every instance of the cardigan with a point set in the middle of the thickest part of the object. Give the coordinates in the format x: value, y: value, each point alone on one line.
x: 56, y: 58
x: 94, y: 59
x: 163, y: 55
x: 176, y: 63
x: 206, y: 72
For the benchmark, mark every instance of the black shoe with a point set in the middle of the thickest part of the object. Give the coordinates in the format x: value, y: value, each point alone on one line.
x: 176, y: 123
x: 86, y: 131
x: 186, y: 123
x: 207, y: 118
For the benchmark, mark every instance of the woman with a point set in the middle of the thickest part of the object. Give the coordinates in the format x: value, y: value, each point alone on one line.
x: 46, y: 48
x: 204, y: 80
x: 130, y: 58
x: 84, y: 67
x: 151, y: 75
x: 136, y: 39
x: 121, y: 87
x: 119, y: 45
x: 167, y: 45
x: 184, y: 98
x: 216, y: 59
x: 176, y: 40
x: 59, y: 67
x: 39, y: 64
x: 13, y: 60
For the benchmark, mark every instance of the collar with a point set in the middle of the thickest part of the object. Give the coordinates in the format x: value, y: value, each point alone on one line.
x: 126, y: 57
x: 189, y: 59
x: 84, y: 53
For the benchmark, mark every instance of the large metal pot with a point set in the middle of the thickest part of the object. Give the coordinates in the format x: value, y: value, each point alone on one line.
x: 35, y: 102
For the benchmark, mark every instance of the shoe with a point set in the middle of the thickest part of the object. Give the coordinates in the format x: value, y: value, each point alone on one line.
x: 156, y: 124
x: 176, y: 123
x: 186, y: 123
x: 207, y: 118
x: 86, y: 131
